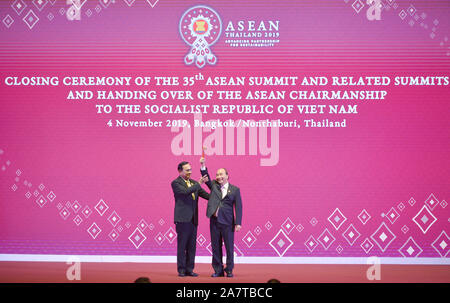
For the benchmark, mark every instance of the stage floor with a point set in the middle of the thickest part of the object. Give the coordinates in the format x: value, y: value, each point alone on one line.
x: 18, y: 272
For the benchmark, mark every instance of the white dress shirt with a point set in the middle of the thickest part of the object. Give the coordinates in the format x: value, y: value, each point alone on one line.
x: 224, y: 189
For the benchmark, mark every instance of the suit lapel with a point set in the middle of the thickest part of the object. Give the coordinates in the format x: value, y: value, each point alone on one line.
x: 185, y: 184
x: 216, y: 189
x: 230, y: 188
x: 182, y: 181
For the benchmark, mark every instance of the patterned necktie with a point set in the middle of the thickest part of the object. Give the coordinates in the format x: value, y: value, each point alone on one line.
x: 189, y: 185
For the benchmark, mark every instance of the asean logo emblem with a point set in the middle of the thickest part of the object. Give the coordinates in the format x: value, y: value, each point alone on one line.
x: 200, y: 27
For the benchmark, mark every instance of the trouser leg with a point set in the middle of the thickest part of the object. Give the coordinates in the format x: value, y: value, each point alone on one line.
x: 191, y: 248
x: 228, y: 238
x: 182, y: 238
x: 216, y: 245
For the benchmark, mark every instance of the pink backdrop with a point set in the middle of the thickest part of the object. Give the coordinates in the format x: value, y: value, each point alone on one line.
x: 392, y: 159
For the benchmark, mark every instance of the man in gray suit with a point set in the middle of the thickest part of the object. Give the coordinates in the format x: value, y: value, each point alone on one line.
x: 223, y: 199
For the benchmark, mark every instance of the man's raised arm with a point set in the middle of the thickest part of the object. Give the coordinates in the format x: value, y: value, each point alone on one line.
x: 204, y: 172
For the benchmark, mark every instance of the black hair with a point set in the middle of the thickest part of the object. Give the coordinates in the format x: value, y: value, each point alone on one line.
x: 142, y: 280
x: 180, y: 166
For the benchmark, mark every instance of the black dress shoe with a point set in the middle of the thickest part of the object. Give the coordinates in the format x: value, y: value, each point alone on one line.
x: 230, y: 274
x: 192, y: 274
x: 181, y: 274
x: 215, y: 275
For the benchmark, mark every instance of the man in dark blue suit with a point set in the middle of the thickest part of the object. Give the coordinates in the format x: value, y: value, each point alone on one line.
x: 223, y: 199
x: 186, y: 192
